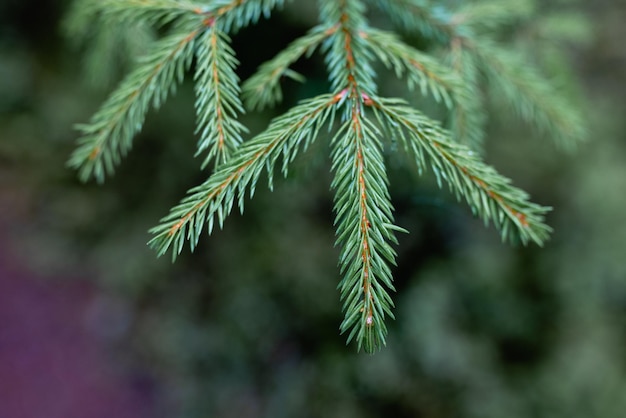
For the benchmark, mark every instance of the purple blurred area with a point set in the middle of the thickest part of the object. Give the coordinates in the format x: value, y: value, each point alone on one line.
x: 52, y: 363
x: 65, y: 341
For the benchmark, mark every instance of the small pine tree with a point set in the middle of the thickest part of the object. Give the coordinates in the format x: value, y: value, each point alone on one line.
x: 465, y: 58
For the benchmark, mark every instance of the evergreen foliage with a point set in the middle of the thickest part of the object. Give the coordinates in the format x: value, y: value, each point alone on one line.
x: 360, y: 121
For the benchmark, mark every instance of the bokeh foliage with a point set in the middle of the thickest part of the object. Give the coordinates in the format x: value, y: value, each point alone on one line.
x: 484, y: 329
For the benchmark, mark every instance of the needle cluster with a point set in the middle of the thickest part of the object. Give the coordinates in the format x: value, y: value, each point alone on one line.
x: 358, y: 120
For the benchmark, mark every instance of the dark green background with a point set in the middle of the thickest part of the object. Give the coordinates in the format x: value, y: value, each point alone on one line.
x: 247, y: 326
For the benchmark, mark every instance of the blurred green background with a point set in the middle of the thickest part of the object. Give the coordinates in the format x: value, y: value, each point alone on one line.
x: 247, y: 326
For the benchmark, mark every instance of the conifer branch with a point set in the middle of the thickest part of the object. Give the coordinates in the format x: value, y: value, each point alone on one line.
x: 364, y: 222
x: 216, y: 196
x: 420, y: 69
x: 109, y: 135
x: 263, y: 88
x: 217, y: 85
x: 344, y: 48
x: 489, y: 194
x: 363, y: 210
x: 513, y: 80
x: 217, y: 96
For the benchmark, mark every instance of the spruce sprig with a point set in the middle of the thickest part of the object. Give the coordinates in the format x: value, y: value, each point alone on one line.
x: 359, y: 121
x: 229, y: 184
x: 108, y: 136
x: 421, y: 70
x: 365, y: 229
x: 218, y: 102
x: 489, y: 194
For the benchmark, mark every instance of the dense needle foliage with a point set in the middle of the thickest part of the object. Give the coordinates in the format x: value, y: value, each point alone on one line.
x: 362, y: 124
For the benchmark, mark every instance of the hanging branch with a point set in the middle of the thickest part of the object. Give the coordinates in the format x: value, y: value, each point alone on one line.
x: 420, y: 69
x: 489, y: 194
x: 366, y: 122
x: 365, y: 229
x: 217, y: 97
x: 363, y: 210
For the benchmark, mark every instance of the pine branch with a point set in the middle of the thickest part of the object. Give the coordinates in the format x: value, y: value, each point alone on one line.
x: 513, y: 80
x: 362, y: 205
x: 421, y: 70
x: 363, y: 210
x: 217, y: 90
x: 217, y: 84
x: 364, y: 222
x: 216, y: 196
x: 109, y: 135
x: 489, y: 194
x: 347, y: 57
x: 263, y: 88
